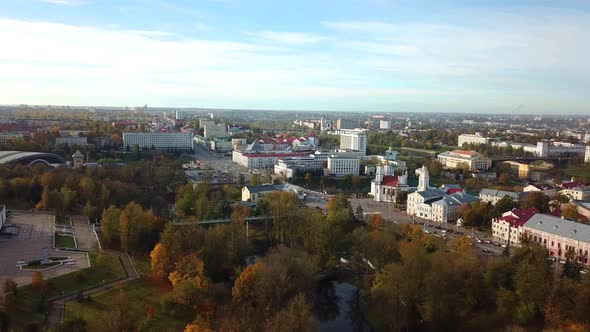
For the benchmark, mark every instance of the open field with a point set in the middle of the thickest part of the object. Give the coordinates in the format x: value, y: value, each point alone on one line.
x: 141, y: 297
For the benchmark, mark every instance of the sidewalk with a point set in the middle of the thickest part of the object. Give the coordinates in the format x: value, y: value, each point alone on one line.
x: 56, y: 312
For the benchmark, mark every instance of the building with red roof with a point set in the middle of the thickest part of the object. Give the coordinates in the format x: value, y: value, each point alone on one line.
x: 507, y: 228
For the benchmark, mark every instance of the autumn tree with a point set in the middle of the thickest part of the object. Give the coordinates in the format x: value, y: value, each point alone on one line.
x: 109, y: 227
x: 37, y: 281
x: 570, y: 211
x: 160, y: 261
x: 191, y: 268
x: 537, y: 200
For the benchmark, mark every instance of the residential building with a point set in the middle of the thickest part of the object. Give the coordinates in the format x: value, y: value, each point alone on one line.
x: 255, y: 193
x: 171, y: 141
x: 215, y: 130
x: 354, y: 140
x: 473, y: 160
x: 446, y: 209
x: 545, y: 188
x: 345, y: 124
x: 6, y: 137
x: 559, y: 236
x: 587, y: 155
x: 577, y: 193
x: 70, y: 141
x: 341, y: 165
x: 253, y: 159
x: 507, y: 228
x: 546, y: 148
x: 472, y: 139
x: 289, y: 166
x: 385, y: 124
x: 493, y: 196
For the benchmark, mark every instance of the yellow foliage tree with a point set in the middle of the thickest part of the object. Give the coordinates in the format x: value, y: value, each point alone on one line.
x: 190, y: 267
x: 244, y: 288
x: 160, y: 261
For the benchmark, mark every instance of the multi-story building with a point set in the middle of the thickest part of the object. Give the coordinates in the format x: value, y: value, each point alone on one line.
x: 215, y: 130
x: 289, y: 166
x: 255, y: 193
x: 492, y: 196
x: 446, y: 209
x: 545, y: 188
x: 385, y: 124
x: 341, y: 165
x: 345, y: 124
x: 561, y: 237
x: 70, y: 141
x: 471, y: 159
x: 577, y: 193
x: 507, y: 228
x: 587, y: 155
x: 171, y: 141
x: 472, y: 139
x: 6, y: 137
x: 353, y: 140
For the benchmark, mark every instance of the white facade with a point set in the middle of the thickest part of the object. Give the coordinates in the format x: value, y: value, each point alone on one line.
x: 587, y: 155
x: 545, y: 188
x: 384, y: 124
x: 493, y: 196
x: 70, y: 141
x: 160, y: 141
x: 212, y: 130
x: 353, y: 140
x: 473, y: 160
x: 340, y: 165
x: 6, y: 137
x: 577, y: 193
x: 262, y: 159
x: 472, y: 139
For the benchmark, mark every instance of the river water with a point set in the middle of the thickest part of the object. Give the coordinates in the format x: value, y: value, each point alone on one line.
x: 337, y: 308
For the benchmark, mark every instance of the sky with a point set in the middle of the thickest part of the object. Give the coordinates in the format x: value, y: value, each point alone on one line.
x: 481, y: 56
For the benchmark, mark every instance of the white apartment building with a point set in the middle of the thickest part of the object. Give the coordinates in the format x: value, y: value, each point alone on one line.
x: 385, y: 124
x: 446, y: 209
x: 353, y: 140
x: 6, y: 137
x: 492, y: 196
x: 345, y: 124
x: 472, y: 139
x: 473, y: 160
x: 508, y: 227
x: 213, y: 130
x: 559, y: 236
x: 545, y: 188
x: 288, y: 166
x: 577, y: 193
x: 71, y: 141
x: 341, y: 165
x: 172, y: 141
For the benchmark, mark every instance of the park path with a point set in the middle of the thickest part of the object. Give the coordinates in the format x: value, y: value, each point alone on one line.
x: 56, y: 308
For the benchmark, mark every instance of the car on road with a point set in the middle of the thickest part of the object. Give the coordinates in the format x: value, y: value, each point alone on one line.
x: 478, y: 240
x: 486, y: 251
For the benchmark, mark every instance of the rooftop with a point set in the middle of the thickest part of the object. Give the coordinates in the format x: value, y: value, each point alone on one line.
x: 560, y: 227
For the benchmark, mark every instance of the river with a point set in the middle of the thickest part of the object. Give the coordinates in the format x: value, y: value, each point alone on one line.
x: 337, y: 308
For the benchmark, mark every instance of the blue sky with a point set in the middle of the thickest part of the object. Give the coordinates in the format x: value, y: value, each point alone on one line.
x: 370, y: 55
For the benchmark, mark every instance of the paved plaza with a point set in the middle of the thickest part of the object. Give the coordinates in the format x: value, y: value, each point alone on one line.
x: 23, y: 237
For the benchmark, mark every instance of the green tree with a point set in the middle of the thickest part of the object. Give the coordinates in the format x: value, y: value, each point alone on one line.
x: 537, y: 200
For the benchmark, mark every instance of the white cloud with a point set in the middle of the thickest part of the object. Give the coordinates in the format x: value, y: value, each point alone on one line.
x: 291, y: 38
x: 64, y: 2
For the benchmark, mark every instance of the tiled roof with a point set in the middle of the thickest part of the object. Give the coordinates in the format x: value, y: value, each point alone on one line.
x: 390, y: 180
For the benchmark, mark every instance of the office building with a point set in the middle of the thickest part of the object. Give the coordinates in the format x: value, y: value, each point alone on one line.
x: 474, y: 161
x: 353, y: 140
x: 171, y: 141
x: 341, y: 165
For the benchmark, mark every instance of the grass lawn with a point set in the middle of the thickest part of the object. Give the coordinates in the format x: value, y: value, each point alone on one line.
x: 578, y: 171
x: 141, y: 295
x: 30, y: 304
x: 64, y: 241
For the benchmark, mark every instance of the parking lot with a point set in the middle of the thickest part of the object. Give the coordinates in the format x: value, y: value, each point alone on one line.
x: 23, y: 237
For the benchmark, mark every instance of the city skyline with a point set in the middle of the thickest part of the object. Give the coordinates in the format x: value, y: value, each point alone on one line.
x: 381, y: 56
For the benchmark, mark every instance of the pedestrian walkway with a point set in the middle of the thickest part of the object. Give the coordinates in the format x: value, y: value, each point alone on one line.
x: 56, y: 312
